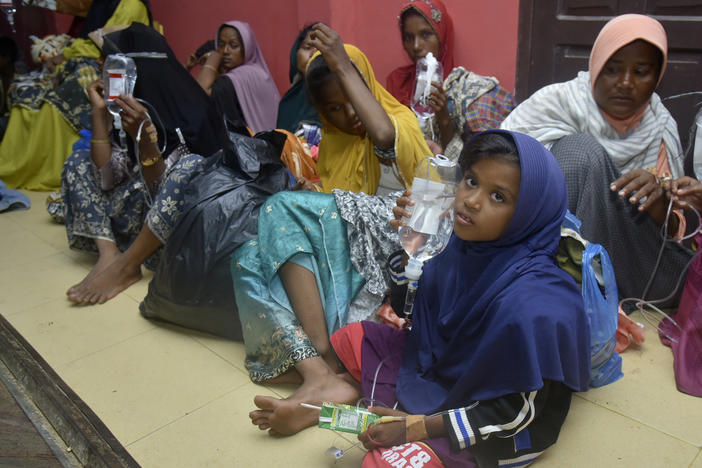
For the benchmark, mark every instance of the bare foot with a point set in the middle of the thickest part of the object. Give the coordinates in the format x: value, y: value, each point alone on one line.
x: 103, y: 286
x: 287, y: 417
x: 107, y: 256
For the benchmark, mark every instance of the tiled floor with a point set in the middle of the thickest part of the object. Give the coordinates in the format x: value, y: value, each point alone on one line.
x: 177, y: 398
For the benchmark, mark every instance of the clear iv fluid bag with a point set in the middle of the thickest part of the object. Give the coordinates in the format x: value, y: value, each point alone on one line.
x: 119, y: 75
x: 428, y: 69
x: 429, y: 229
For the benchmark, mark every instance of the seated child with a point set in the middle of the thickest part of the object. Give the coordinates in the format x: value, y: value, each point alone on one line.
x: 500, y: 338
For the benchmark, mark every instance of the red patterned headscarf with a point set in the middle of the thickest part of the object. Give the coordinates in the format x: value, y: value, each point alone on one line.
x: 401, y: 81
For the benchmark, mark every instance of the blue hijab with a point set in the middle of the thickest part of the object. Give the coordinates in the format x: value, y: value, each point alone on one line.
x: 495, y: 318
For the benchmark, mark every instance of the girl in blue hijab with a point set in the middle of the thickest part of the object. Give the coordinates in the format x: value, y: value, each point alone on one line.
x: 500, y: 338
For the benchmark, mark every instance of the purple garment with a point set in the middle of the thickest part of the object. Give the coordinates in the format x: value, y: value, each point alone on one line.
x: 255, y: 89
x: 687, y: 347
x: 382, y: 351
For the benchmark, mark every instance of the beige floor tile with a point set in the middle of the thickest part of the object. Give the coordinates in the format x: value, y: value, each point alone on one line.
x: 647, y: 392
x: 62, y: 332
x: 593, y: 436
x: 37, y: 281
x: 232, y: 351
x: 698, y: 461
x: 150, y: 380
x: 20, y: 246
x: 220, y: 434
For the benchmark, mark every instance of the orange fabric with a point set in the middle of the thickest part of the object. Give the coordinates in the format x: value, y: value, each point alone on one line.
x: 347, y: 343
x: 296, y: 157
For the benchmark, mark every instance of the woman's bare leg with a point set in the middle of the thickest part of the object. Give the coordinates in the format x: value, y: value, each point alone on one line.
x: 301, y: 287
x: 122, y: 272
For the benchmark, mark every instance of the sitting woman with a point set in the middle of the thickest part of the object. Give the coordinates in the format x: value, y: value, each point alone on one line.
x: 47, y: 113
x: 235, y: 74
x: 328, y: 269
x: 499, y: 339
x: 295, y: 107
x: 615, y: 142
x: 123, y: 198
x: 467, y: 103
x: 370, y: 142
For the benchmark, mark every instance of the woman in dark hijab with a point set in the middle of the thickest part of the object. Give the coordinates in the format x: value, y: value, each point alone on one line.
x: 123, y: 197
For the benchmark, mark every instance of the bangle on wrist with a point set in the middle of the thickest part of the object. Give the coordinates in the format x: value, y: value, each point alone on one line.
x: 151, y: 161
x: 100, y: 141
x: 207, y: 65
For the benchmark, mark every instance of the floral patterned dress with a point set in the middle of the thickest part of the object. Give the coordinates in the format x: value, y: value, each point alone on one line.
x: 344, y: 239
x: 113, y: 202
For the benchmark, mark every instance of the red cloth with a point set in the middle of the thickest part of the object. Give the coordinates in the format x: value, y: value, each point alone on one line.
x: 347, y: 343
x: 401, y: 81
x: 687, y: 347
x: 413, y: 454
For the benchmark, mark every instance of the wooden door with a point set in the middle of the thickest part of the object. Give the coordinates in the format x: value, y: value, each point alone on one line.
x: 555, y: 37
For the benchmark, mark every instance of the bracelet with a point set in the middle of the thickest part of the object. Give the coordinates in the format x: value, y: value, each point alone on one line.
x: 150, y: 161
x: 415, y: 429
x: 100, y: 141
x: 207, y: 65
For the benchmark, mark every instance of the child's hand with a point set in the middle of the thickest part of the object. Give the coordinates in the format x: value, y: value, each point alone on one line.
x: 687, y: 192
x: 400, y: 212
x: 386, y: 434
x: 329, y: 43
x: 304, y: 184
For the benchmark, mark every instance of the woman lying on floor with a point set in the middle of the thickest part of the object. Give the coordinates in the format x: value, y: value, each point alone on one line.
x: 122, y: 207
x: 615, y: 141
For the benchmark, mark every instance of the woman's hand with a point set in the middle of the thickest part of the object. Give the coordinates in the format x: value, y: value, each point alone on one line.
x: 191, y: 61
x: 53, y: 62
x: 95, y: 94
x: 386, y: 434
x: 330, y: 45
x: 438, y: 101
x: 399, y: 211
x: 687, y: 192
x: 133, y: 114
x: 644, y: 184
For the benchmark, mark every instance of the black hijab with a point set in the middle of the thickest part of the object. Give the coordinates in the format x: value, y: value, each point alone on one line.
x: 165, y: 84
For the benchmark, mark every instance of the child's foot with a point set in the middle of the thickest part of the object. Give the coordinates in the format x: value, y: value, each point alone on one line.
x: 106, y: 284
x: 287, y: 416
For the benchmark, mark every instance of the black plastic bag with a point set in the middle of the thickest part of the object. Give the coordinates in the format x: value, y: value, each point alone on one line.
x: 192, y: 284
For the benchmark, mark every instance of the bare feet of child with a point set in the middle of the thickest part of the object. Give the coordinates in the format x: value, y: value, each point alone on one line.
x: 100, y: 287
x: 108, y: 252
x: 286, y: 416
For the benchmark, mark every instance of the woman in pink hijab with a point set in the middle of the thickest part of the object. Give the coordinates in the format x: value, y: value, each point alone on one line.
x: 235, y: 74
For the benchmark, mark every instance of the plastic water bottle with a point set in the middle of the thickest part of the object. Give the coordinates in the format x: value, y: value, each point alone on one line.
x: 429, y: 229
x: 428, y: 69
x: 119, y: 74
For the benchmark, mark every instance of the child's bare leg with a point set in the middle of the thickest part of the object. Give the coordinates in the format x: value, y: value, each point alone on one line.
x: 107, y: 252
x: 301, y: 288
x: 320, y: 383
x: 122, y: 272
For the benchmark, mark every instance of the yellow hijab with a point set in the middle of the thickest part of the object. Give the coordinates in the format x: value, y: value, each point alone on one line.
x: 349, y: 162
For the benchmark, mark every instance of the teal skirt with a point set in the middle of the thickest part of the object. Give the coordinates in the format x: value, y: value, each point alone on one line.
x: 305, y: 228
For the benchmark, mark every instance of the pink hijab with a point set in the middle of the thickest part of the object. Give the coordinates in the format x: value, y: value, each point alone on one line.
x: 255, y: 89
x: 617, y: 33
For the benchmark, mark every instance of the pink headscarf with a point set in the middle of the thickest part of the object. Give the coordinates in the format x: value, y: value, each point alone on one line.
x: 623, y: 30
x: 255, y: 89
x: 617, y: 33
